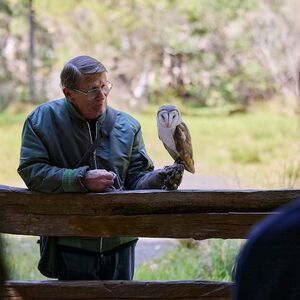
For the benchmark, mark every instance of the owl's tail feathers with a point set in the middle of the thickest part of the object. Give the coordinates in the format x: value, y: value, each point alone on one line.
x: 190, y: 168
x: 188, y: 164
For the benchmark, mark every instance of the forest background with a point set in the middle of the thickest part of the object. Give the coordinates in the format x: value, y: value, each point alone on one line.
x: 205, y: 53
x: 229, y: 65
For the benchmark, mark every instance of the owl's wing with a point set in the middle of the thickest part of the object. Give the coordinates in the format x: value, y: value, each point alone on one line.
x: 183, y: 143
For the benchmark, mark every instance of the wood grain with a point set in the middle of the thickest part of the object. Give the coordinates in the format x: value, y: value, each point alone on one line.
x: 34, y: 290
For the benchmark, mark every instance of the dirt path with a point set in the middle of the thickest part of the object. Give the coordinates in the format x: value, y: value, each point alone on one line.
x: 191, y: 181
x: 151, y: 248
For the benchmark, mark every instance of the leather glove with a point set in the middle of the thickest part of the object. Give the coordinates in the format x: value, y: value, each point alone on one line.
x: 167, y: 178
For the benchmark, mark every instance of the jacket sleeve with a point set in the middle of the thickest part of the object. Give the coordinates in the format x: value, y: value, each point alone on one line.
x: 36, y: 170
x: 140, y: 163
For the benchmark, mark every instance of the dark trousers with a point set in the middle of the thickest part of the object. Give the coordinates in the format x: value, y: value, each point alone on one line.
x: 77, y: 264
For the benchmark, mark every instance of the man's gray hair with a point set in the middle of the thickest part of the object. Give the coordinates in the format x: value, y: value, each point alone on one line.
x: 76, y: 67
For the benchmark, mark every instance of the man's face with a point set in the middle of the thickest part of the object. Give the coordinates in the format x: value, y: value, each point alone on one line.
x: 90, y: 106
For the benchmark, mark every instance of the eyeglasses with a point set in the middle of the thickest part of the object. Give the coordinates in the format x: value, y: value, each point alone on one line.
x: 93, y: 93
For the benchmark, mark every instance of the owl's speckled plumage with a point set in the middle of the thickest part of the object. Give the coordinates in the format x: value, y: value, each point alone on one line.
x: 175, y: 136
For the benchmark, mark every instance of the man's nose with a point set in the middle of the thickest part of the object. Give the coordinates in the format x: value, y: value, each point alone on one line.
x: 101, y: 94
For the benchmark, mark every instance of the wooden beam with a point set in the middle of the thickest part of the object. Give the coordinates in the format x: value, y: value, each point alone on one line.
x: 197, y: 226
x: 34, y: 290
x: 146, y: 201
x: 153, y: 213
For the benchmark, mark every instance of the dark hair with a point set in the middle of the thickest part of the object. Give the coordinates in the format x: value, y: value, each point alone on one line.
x: 74, y: 68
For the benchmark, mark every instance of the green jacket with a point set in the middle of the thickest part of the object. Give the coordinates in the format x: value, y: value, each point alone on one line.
x: 55, y: 136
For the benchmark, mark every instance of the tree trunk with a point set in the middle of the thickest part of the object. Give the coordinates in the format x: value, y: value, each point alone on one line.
x: 31, y: 54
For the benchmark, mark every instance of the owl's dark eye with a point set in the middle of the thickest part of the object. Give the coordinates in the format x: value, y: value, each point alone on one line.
x: 163, y: 117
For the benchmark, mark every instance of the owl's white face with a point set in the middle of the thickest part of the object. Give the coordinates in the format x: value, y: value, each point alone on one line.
x: 168, y: 117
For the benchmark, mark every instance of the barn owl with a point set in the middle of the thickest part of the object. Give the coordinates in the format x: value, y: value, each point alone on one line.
x: 175, y: 136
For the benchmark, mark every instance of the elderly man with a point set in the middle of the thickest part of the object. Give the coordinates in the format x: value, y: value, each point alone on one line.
x: 61, y: 152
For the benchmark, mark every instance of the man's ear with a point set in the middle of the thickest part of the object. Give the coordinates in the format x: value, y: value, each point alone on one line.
x: 67, y: 93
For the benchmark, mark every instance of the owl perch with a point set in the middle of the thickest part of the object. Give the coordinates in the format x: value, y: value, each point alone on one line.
x: 175, y: 136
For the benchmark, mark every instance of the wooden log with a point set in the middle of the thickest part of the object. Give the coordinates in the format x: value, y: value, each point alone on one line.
x: 153, y: 213
x: 197, y: 226
x: 145, y: 201
x: 34, y: 290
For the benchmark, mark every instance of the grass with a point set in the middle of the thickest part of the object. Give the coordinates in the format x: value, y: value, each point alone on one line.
x: 206, y: 260
x: 10, y: 132
x: 259, y: 150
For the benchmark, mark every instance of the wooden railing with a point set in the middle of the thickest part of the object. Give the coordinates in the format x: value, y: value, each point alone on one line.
x: 198, y: 214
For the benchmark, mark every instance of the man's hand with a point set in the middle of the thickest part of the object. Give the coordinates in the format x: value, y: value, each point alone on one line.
x: 167, y: 178
x: 98, y: 180
x: 172, y: 176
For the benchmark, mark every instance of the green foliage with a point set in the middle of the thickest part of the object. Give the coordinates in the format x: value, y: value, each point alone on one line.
x: 215, y: 51
x: 14, y: 36
x: 209, y: 53
x: 223, y: 10
x: 210, y: 260
x: 206, y: 260
x: 179, y: 264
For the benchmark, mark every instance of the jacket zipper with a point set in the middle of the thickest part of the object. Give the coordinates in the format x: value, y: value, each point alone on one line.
x: 90, y: 134
x: 96, y: 167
